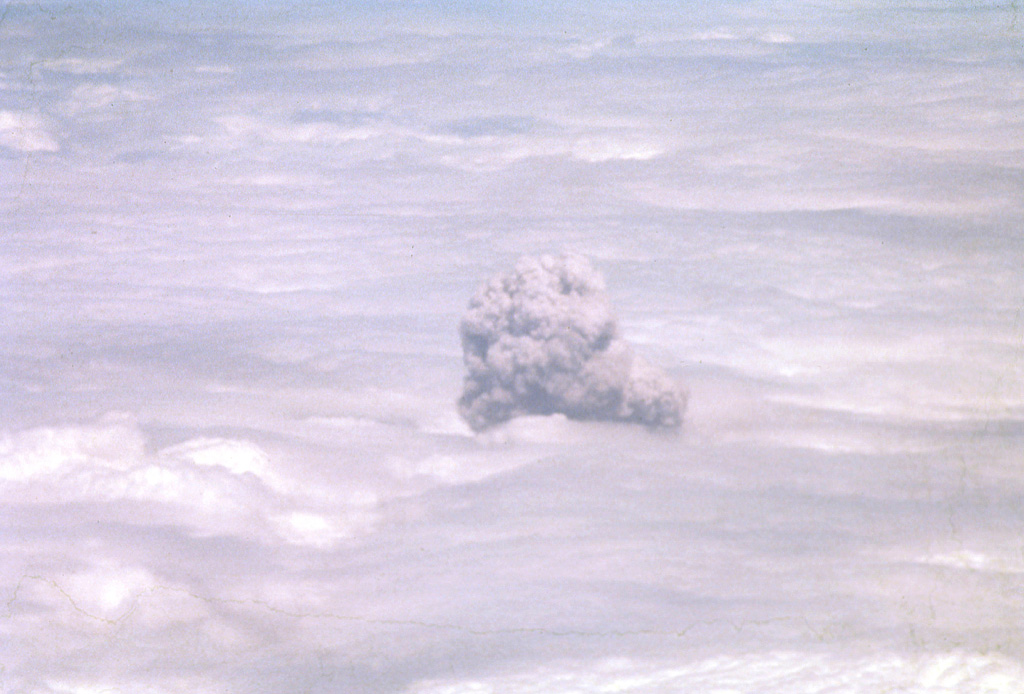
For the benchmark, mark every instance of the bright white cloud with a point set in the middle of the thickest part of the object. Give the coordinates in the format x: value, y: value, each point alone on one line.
x: 83, y: 66
x: 975, y: 561
x: 113, y: 443
x: 91, y: 97
x: 239, y: 130
x: 208, y: 485
x: 780, y: 673
x: 26, y: 132
x: 596, y: 150
x: 239, y: 457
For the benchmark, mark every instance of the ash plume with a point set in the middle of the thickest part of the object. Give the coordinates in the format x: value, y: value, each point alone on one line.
x: 542, y: 339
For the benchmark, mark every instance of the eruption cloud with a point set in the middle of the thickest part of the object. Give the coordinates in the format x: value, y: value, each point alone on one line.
x: 542, y: 339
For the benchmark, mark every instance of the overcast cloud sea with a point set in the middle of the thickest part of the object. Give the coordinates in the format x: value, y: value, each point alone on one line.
x: 238, y: 244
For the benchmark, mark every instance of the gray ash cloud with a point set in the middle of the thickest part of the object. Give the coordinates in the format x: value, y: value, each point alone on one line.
x: 542, y: 339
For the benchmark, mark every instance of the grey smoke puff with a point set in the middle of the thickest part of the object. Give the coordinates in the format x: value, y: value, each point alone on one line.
x: 542, y: 339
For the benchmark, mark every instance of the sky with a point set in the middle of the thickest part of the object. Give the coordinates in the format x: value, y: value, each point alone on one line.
x: 239, y: 241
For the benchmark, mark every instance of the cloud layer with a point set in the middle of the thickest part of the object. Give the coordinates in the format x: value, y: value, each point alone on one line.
x: 542, y: 339
x: 252, y: 228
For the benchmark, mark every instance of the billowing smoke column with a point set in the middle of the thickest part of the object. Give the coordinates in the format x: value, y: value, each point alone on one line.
x: 542, y: 339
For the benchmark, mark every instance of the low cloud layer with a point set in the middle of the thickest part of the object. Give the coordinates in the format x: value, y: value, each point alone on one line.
x: 542, y: 339
x: 246, y: 244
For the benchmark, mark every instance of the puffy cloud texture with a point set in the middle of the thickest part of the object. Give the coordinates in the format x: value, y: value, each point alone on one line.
x: 543, y: 339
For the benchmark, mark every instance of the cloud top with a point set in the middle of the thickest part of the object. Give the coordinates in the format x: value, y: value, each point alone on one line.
x: 543, y: 339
